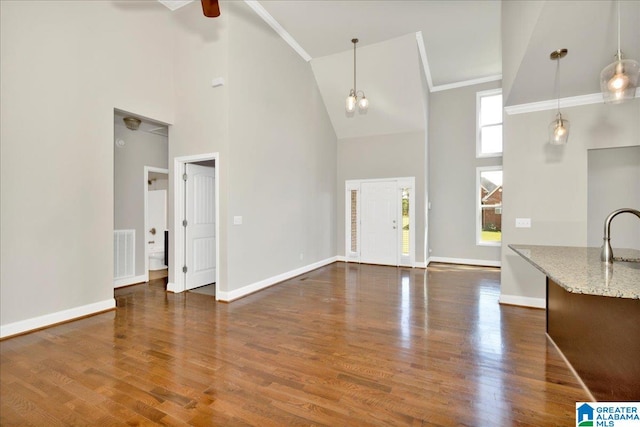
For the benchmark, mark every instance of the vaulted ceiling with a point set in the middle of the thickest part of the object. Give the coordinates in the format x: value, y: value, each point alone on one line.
x: 462, y: 45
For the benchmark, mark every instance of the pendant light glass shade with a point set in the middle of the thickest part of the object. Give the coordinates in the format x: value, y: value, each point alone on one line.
x: 619, y: 80
x: 351, y: 102
x: 559, y: 130
x: 363, y: 104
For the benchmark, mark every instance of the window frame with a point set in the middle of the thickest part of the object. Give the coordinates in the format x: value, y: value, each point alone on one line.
x: 479, y: 170
x: 479, y: 96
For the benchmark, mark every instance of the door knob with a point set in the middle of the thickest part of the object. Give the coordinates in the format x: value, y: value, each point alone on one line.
x: 153, y: 231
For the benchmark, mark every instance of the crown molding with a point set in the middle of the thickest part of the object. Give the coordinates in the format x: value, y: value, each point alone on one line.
x: 423, y: 58
x: 465, y: 83
x: 552, y: 104
x: 266, y: 17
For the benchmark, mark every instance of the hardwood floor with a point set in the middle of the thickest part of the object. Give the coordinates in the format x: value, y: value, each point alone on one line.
x: 344, y: 345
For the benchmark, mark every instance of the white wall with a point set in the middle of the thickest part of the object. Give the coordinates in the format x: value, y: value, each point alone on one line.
x: 141, y: 149
x: 202, y: 112
x: 383, y: 156
x: 64, y: 67
x: 452, y: 175
x: 549, y: 183
x: 282, y: 154
x: 613, y: 183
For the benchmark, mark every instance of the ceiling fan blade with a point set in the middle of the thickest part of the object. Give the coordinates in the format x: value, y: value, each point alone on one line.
x: 210, y: 8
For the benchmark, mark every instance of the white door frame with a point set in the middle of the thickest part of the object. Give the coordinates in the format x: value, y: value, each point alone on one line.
x: 178, y: 251
x: 148, y: 169
x: 405, y: 182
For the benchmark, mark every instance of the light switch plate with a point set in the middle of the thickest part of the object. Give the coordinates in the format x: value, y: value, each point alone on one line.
x: 237, y: 220
x: 523, y: 222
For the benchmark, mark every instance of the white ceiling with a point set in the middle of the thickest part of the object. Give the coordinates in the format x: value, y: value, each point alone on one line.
x: 588, y: 29
x: 462, y: 41
x: 453, y: 31
x: 393, y: 85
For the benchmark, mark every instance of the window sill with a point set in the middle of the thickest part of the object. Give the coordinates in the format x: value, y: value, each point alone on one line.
x: 488, y: 243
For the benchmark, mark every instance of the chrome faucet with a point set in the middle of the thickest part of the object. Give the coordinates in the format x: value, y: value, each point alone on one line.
x: 606, y: 255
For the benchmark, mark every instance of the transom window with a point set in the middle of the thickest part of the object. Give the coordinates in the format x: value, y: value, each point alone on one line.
x: 489, y: 123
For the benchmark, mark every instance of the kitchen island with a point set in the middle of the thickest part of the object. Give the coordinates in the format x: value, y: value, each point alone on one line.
x: 593, y: 315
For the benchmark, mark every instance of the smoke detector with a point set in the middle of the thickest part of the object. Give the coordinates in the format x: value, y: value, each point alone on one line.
x: 132, y: 123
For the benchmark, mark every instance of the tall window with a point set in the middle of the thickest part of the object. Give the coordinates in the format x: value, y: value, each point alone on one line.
x: 489, y: 123
x: 405, y: 222
x: 489, y: 205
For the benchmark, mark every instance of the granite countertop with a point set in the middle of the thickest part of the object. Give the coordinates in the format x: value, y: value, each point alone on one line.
x: 579, y: 269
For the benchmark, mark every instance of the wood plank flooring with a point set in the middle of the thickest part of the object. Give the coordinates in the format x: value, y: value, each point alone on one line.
x: 344, y: 345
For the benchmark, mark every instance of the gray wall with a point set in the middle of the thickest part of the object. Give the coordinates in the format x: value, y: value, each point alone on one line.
x: 63, y: 70
x: 549, y: 183
x: 57, y: 246
x: 201, y: 111
x: 452, y: 175
x: 141, y: 149
x: 613, y: 182
x: 283, y: 156
x: 383, y: 156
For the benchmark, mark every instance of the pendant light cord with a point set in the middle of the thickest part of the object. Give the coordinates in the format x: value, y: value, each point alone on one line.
x: 619, y: 53
x: 556, y: 84
x: 354, y: 68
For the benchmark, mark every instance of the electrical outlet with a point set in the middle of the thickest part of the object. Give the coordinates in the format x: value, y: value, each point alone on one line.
x: 237, y: 220
x: 523, y: 222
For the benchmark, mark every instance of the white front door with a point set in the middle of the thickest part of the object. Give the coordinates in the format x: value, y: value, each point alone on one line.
x: 379, y: 223
x: 201, y: 226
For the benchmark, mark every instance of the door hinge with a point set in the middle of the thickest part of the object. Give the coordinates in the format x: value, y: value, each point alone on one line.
x: 184, y: 222
x: 184, y: 177
x: 184, y: 269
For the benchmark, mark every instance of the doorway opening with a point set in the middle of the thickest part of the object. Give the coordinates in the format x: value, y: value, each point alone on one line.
x: 380, y: 221
x: 141, y: 146
x: 156, y: 185
x: 196, y: 253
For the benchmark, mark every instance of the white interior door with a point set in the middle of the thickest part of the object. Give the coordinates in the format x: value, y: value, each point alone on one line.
x: 379, y: 223
x: 201, y: 228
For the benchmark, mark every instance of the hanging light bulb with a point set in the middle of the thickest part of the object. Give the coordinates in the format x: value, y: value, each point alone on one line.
x: 559, y: 128
x: 351, y: 101
x: 363, y: 103
x: 356, y: 97
x: 618, y: 80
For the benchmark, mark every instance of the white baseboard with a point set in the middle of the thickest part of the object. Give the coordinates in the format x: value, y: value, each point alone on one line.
x: 229, y: 296
x: 523, y: 301
x: 57, y: 317
x: 126, y: 281
x: 465, y: 261
x: 343, y: 258
x: 172, y: 287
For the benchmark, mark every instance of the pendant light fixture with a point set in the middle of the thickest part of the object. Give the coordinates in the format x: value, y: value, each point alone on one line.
x: 559, y: 128
x: 356, y: 96
x: 618, y: 80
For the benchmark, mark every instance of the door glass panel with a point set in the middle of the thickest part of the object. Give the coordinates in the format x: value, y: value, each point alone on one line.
x: 354, y: 220
x: 405, y: 221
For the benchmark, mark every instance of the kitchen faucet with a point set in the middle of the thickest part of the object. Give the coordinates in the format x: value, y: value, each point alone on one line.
x: 606, y: 255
